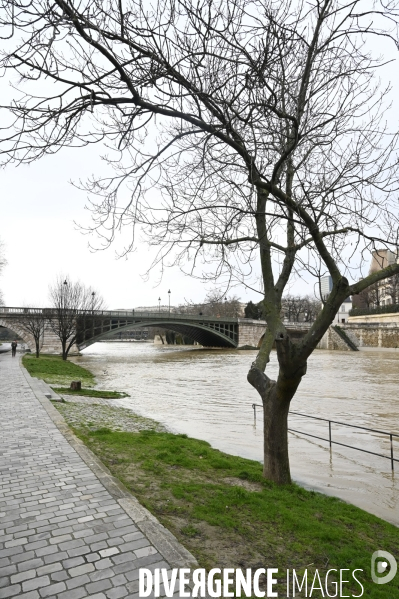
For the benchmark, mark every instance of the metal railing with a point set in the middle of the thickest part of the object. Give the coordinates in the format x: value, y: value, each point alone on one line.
x: 123, y: 314
x: 330, y: 440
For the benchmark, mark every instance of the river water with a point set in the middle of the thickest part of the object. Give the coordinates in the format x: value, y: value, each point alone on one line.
x: 204, y: 393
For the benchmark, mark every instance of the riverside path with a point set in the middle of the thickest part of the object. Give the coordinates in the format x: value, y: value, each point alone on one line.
x: 68, y: 529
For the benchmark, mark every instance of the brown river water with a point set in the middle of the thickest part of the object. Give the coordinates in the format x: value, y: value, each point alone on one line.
x: 205, y: 394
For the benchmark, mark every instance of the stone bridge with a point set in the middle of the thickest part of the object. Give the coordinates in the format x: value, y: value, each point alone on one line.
x: 93, y: 326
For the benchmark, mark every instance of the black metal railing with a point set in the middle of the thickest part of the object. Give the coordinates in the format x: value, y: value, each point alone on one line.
x: 331, y: 441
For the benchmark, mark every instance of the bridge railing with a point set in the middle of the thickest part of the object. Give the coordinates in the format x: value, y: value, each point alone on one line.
x: 119, y: 314
x: 6, y: 310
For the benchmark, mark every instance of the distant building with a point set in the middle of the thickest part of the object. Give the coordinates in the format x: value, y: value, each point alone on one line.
x: 383, y: 292
x: 343, y: 312
x: 161, y: 308
x: 381, y: 259
x: 326, y: 285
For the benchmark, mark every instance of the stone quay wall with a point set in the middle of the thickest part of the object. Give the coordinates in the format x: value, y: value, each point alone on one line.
x: 250, y: 332
x: 331, y: 340
x: 374, y: 330
x: 374, y: 335
x: 379, y: 331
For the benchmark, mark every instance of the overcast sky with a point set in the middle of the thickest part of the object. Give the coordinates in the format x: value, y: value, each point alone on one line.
x: 38, y: 210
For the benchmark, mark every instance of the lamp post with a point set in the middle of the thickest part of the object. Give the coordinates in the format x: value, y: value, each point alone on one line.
x: 169, y: 292
x: 64, y: 294
x: 92, y: 312
x: 159, y: 305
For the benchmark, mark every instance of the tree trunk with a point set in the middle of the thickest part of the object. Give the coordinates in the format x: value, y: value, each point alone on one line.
x: 276, y: 464
x: 276, y: 398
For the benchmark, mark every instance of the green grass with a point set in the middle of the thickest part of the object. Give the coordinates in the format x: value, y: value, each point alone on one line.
x: 223, y: 510
x: 55, y: 370
x: 90, y: 393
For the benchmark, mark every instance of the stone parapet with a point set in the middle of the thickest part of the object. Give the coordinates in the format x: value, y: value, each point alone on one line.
x: 376, y: 319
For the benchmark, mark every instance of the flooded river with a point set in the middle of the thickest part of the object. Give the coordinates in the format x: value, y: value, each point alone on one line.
x: 204, y: 393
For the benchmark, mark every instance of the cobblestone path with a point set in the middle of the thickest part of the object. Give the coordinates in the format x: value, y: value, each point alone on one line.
x: 67, y: 529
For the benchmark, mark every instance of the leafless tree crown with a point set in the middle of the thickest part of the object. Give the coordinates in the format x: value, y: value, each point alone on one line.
x: 33, y: 323
x: 215, y: 304
x: 70, y: 301
x: 270, y: 118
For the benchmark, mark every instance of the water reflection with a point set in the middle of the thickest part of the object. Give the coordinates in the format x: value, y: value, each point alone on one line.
x: 204, y: 393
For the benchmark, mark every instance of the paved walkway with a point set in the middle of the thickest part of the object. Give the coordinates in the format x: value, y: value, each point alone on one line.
x: 68, y: 529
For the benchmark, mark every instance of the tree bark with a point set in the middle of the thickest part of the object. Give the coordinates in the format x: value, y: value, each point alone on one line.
x: 276, y: 398
x: 276, y: 465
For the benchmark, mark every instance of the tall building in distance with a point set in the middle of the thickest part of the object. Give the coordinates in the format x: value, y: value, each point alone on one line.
x: 326, y: 286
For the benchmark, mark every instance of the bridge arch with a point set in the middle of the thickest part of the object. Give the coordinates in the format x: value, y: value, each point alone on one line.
x: 13, y: 326
x: 198, y: 332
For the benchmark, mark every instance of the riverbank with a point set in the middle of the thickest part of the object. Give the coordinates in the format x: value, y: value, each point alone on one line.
x: 56, y: 371
x: 223, y: 511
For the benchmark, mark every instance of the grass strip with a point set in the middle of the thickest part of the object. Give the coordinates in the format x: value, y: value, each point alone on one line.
x: 55, y: 370
x: 99, y: 393
x: 223, y: 510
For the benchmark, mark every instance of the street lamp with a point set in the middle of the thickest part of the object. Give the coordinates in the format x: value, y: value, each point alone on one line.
x: 169, y: 292
x: 92, y: 312
x: 64, y: 294
x: 159, y: 305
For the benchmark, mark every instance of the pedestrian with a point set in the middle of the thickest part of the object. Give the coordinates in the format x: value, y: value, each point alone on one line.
x: 14, y: 345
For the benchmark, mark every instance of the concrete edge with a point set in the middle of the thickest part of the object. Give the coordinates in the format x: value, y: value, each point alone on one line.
x: 162, y: 539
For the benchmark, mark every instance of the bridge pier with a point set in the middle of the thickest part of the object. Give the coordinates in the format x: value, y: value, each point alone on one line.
x: 50, y: 342
x: 250, y: 332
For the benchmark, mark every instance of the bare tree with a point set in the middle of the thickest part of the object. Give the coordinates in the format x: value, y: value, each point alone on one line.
x: 73, y: 307
x: 160, y: 332
x: 221, y: 305
x: 215, y: 304
x: 296, y: 308
x: 271, y: 145
x: 292, y: 307
x: 312, y: 308
x: 33, y: 322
